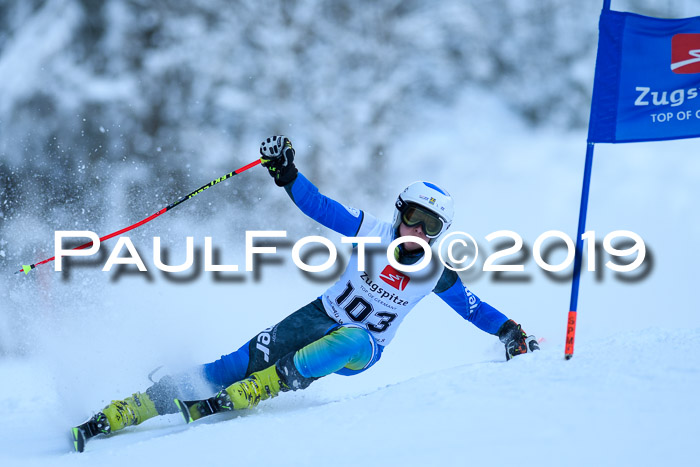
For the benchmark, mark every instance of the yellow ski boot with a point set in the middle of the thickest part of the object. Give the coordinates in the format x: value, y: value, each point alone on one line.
x: 244, y: 394
x: 130, y: 411
x: 261, y: 385
x: 117, y: 415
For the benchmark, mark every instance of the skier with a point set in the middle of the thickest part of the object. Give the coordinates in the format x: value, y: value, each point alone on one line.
x: 344, y: 331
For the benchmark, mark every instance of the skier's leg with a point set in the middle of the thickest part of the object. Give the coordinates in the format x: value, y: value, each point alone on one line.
x: 129, y: 411
x: 345, y: 347
x: 302, y: 327
x: 156, y: 400
x: 349, y: 348
x: 306, y: 331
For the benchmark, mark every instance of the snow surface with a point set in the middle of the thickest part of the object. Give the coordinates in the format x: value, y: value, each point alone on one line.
x: 442, y: 393
x: 623, y: 401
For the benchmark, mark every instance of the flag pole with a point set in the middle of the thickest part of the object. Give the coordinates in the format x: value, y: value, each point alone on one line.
x: 573, y: 305
x: 578, y: 257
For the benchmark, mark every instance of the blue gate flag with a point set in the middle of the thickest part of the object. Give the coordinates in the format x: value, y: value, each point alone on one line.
x: 647, y: 79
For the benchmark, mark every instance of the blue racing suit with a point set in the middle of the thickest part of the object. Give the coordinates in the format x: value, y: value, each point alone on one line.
x: 345, y: 330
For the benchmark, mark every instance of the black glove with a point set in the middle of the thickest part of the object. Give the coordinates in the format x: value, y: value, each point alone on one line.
x: 516, y: 340
x: 278, y: 158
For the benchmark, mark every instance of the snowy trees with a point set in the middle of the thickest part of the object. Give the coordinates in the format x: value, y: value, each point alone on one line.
x: 107, y: 100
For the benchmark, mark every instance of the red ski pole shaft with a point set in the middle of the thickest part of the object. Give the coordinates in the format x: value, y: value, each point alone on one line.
x: 28, y: 267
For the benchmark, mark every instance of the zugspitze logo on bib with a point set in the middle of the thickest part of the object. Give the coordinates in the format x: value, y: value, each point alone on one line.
x: 394, y: 278
x: 685, y: 53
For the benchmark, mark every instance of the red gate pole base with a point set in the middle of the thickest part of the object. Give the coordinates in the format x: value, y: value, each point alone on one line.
x: 570, y: 333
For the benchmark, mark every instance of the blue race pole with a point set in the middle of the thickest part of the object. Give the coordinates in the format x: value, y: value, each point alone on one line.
x: 571, y: 326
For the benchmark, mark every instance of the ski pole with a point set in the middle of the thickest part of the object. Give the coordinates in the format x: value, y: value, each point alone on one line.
x: 28, y: 267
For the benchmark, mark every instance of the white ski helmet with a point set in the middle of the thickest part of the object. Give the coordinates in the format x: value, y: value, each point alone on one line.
x: 427, y: 204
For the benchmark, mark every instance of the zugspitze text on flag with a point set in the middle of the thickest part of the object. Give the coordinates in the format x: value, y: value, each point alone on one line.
x: 647, y: 79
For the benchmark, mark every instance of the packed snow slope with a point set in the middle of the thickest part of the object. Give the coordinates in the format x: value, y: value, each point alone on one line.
x: 442, y: 393
x: 623, y: 401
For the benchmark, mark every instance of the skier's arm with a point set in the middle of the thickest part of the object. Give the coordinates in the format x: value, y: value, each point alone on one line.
x: 278, y: 157
x: 323, y: 209
x: 453, y: 292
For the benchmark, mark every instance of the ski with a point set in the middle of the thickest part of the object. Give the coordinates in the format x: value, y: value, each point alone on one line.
x: 194, y: 410
x: 96, y: 425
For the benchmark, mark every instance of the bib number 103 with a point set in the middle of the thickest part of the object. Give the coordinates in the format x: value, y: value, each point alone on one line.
x: 359, y: 309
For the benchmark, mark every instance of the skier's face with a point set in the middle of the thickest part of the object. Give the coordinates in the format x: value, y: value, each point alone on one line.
x: 415, y: 231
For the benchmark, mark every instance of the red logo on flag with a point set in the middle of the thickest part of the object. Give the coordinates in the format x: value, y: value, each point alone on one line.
x: 685, y: 53
x: 394, y: 278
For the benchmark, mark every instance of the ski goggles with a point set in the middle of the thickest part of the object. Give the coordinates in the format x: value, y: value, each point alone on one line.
x: 413, y: 215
